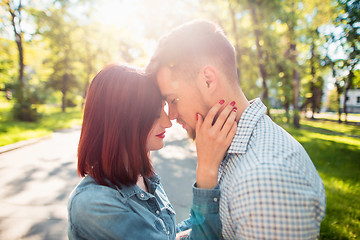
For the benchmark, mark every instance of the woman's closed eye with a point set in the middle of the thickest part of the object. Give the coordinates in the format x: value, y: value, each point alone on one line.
x: 174, y: 101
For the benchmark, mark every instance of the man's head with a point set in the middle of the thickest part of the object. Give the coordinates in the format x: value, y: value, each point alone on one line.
x: 195, y: 67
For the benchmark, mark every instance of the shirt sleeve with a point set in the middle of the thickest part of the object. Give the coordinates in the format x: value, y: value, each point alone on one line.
x: 204, y: 218
x: 275, y: 202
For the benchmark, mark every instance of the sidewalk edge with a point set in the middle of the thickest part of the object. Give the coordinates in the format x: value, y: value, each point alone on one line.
x: 10, y: 147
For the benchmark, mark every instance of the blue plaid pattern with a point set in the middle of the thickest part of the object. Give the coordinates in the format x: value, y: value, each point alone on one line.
x: 269, y: 186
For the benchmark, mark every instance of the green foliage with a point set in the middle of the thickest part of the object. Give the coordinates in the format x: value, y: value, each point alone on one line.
x: 332, y: 104
x: 58, y: 27
x: 356, y: 80
x: 24, y: 111
x: 52, y: 119
x: 7, y: 62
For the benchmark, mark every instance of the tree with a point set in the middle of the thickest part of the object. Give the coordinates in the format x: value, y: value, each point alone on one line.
x: 7, y: 66
x: 316, y: 14
x: 256, y: 11
x: 58, y: 29
x: 332, y: 104
x: 315, y: 85
x: 15, y: 10
x: 23, y: 109
x: 234, y: 31
x: 348, y: 21
x: 339, y: 81
x: 291, y: 18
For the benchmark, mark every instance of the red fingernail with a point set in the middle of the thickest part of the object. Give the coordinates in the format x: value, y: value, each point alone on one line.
x: 222, y: 101
x: 232, y: 103
x: 235, y: 109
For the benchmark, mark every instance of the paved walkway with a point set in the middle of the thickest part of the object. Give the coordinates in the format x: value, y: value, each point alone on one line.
x: 37, y: 179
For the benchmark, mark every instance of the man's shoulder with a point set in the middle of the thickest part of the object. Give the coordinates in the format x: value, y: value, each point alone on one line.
x: 269, y: 139
x: 242, y: 166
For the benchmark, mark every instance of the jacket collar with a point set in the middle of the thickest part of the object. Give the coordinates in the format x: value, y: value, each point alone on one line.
x: 129, y: 191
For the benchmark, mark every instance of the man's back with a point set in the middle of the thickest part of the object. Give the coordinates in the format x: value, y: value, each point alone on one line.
x: 270, y: 188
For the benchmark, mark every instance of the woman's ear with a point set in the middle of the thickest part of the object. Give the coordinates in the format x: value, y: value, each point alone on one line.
x: 208, y: 81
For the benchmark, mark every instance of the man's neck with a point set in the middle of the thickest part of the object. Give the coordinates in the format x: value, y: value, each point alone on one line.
x: 241, y: 103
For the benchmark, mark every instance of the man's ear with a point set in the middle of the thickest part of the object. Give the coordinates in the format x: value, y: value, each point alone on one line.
x: 208, y: 80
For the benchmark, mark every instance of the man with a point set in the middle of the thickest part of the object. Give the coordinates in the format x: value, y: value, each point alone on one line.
x: 269, y: 186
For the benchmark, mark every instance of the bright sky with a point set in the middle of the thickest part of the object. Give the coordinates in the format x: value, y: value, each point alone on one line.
x: 143, y: 17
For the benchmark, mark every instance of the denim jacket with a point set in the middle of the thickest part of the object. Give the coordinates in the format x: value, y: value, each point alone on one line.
x: 100, y: 212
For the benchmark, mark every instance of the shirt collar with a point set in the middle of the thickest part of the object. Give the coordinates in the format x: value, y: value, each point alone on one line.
x: 129, y: 191
x: 246, y: 125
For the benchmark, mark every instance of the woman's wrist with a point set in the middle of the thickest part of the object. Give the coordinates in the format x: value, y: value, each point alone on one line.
x: 206, y: 177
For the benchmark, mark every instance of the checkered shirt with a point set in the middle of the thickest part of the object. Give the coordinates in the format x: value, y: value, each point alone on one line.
x: 269, y: 186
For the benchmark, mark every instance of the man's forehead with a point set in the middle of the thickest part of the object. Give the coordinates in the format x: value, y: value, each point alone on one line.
x: 167, y: 84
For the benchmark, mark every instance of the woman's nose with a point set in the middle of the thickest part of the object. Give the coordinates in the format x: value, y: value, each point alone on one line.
x: 165, y: 120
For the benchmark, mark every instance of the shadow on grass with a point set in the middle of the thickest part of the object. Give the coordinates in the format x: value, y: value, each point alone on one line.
x: 322, y: 126
x: 353, y: 132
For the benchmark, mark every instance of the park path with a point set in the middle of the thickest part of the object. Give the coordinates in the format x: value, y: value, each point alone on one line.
x: 37, y: 179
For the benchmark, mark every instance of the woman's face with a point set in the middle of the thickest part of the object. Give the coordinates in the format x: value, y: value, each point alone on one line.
x: 155, y: 140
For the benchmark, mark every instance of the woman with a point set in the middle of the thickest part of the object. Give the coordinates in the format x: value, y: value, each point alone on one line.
x: 121, y: 197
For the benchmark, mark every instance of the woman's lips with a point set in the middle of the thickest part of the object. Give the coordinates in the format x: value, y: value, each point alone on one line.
x: 161, y: 135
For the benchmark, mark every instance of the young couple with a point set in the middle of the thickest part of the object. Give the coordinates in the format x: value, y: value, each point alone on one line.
x: 254, y: 181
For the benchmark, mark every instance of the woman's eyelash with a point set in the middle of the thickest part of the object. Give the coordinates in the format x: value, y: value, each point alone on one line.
x: 174, y: 100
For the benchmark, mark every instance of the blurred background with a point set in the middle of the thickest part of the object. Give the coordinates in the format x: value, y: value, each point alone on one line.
x: 296, y: 55
x: 301, y: 57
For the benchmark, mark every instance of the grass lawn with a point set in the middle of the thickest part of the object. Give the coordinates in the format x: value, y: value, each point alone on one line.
x: 335, y: 150
x: 52, y: 119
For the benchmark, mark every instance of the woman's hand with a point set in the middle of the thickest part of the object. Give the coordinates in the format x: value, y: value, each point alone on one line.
x: 212, y: 142
x: 183, y: 235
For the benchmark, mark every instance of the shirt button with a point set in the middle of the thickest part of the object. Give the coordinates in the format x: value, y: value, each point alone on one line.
x: 168, y: 232
x: 157, y: 212
x: 142, y: 195
x: 215, y: 199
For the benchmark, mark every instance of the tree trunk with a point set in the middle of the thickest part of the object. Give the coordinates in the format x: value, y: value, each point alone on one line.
x: 263, y: 73
x: 18, y: 39
x: 338, y: 90
x: 295, y: 85
x: 296, y: 75
x: 296, y: 89
x: 64, y: 91
x: 237, y: 47
x: 348, y: 86
x: 286, y: 106
x: 313, y: 79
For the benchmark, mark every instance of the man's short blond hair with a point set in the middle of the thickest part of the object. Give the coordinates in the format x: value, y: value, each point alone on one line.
x: 192, y: 45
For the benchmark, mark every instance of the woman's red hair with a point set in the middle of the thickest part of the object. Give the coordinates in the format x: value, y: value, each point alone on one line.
x: 120, y: 110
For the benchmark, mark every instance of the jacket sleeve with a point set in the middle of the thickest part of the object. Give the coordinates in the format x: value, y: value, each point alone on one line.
x: 204, y: 218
